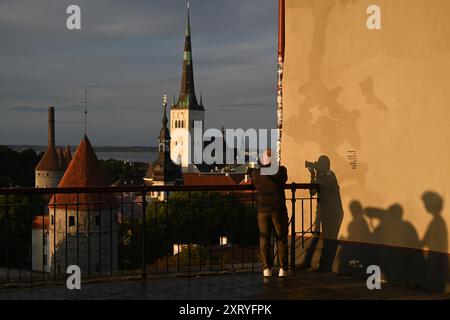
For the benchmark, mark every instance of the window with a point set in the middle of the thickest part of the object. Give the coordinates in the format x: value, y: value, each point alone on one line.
x: 71, y: 221
x: 52, y: 218
x: 97, y: 220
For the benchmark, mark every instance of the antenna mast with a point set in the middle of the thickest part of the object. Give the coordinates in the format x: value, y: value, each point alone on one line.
x: 84, y: 101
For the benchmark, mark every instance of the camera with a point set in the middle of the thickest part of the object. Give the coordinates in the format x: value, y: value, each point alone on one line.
x: 311, y: 165
x: 252, y: 166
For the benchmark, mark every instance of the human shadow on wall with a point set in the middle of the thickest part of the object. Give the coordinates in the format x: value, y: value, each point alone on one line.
x: 436, y: 240
x: 353, y: 258
x: 329, y: 213
x: 399, y: 257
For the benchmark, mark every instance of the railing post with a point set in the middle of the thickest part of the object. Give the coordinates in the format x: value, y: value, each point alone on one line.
x: 293, y: 189
x: 7, y: 238
x: 144, y: 209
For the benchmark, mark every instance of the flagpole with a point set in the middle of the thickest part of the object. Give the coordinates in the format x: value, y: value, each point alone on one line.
x: 84, y: 101
x: 281, y: 46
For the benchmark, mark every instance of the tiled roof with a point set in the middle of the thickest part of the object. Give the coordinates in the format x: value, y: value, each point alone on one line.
x: 84, y: 171
x: 61, y: 160
x: 38, y: 222
x: 49, y: 161
x: 67, y: 155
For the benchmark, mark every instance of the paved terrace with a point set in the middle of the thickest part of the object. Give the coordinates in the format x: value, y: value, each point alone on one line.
x: 300, y: 285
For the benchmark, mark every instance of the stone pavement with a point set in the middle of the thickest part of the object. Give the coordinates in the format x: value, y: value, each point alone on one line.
x: 300, y: 285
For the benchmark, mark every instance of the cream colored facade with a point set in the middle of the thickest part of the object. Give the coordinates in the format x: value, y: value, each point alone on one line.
x: 376, y: 102
x: 182, y: 136
x: 47, y: 179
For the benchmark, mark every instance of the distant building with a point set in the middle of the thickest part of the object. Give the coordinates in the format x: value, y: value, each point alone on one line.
x: 83, y: 227
x: 48, y: 172
x: 163, y: 171
x: 185, y: 111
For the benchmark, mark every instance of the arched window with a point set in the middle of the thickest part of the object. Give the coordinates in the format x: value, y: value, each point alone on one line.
x: 182, y: 123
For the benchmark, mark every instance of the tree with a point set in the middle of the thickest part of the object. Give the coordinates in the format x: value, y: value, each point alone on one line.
x: 17, y: 168
x: 16, y: 214
x: 198, y: 218
x: 123, y: 170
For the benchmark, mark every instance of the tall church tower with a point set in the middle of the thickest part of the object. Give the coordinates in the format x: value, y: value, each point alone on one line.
x: 186, y: 112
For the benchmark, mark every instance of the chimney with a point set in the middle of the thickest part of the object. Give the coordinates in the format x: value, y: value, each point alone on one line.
x: 51, y: 126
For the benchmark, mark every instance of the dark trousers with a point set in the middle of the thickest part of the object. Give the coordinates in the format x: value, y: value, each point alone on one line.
x: 279, y: 223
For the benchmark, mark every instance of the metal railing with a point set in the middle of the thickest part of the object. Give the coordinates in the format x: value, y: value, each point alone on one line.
x: 138, y: 231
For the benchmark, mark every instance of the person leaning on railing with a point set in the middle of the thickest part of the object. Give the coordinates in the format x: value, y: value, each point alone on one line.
x: 272, y: 211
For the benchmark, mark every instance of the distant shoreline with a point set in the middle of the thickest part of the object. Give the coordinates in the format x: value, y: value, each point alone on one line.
x: 133, y: 149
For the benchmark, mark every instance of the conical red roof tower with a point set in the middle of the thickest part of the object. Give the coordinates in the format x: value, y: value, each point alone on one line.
x: 84, y: 171
x: 67, y: 155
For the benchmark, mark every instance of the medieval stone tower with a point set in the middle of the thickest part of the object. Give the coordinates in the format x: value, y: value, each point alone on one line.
x: 186, y: 112
x: 83, y: 227
x: 48, y: 172
x: 163, y: 171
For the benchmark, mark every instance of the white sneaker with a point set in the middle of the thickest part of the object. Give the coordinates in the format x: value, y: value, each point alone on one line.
x: 267, y: 272
x: 283, y: 273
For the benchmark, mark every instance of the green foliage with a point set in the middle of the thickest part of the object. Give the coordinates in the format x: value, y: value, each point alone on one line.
x: 126, y: 171
x: 199, y: 218
x: 17, y: 168
x: 16, y: 214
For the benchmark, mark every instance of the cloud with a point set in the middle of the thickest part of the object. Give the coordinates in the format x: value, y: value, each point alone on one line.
x: 245, y: 105
x: 26, y: 109
x: 127, y: 55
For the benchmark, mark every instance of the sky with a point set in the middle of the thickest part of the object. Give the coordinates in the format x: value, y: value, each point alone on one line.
x: 127, y: 55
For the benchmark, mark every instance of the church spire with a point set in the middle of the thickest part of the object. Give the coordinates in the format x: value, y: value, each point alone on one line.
x: 187, y: 98
x: 164, y: 135
x: 163, y: 169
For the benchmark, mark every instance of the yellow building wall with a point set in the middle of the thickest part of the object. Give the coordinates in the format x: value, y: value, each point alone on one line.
x: 383, y: 95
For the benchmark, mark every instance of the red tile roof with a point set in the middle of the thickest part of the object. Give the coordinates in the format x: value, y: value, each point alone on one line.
x: 49, y: 161
x: 61, y: 160
x: 38, y: 223
x: 84, y: 171
x: 67, y: 155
